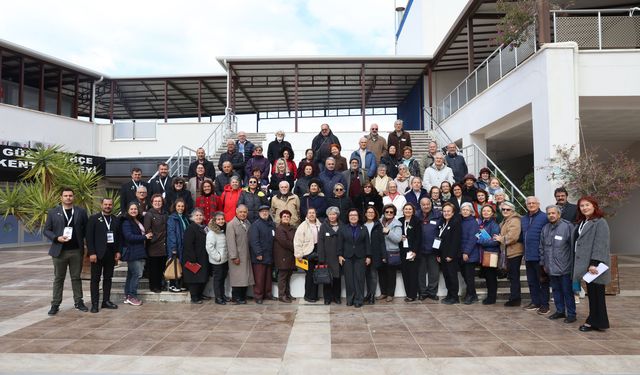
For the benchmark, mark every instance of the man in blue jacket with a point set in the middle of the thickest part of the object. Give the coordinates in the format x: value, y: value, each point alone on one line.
x: 261, y: 236
x: 532, y: 224
x: 329, y: 177
x: 366, y: 158
x: 427, y: 263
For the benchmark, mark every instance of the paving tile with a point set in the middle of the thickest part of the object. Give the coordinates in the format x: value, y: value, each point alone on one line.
x: 359, y: 351
x: 275, y: 337
x: 446, y: 350
x: 351, y: 338
x: 492, y: 349
x: 177, y: 349
x: 40, y: 346
x: 399, y: 351
x: 178, y: 335
x: 128, y: 347
x: 147, y: 335
x: 85, y: 347
x: 106, y: 334
x: 582, y: 347
x: 7, y: 344
x: 399, y: 338
x: 212, y: 349
x: 516, y: 335
x: 232, y: 337
x: 625, y: 347
x: 536, y: 348
x: 262, y: 350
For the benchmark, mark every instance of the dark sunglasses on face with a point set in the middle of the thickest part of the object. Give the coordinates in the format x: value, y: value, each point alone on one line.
x: 388, y: 212
x: 506, y: 209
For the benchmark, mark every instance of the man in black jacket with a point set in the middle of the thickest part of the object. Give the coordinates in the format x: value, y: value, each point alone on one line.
x: 103, y: 247
x: 209, y: 169
x: 569, y: 211
x: 234, y: 157
x: 275, y: 147
x: 65, y: 227
x: 456, y: 162
x: 321, y: 145
x: 129, y: 189
x: 162, y: 182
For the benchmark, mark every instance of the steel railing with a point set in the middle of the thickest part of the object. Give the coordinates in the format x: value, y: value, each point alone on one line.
x: 598, y: 28
x: 180, y: 160
x: 477, y: 159
x: 500, y: 62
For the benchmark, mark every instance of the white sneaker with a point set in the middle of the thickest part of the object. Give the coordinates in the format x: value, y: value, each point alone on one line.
x: 577, y: 298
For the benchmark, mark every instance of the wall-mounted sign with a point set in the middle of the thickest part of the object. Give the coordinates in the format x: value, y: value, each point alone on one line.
x: 11, y: 167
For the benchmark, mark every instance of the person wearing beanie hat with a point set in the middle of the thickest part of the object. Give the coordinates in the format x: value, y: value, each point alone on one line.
x: 469, y: 188
x: 341, y: 161
x: 314, y: 198
x: 484, y: 177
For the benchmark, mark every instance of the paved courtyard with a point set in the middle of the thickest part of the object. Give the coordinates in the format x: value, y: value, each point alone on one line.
x: 386, y: 338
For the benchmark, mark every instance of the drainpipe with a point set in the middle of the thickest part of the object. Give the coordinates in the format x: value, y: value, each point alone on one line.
x: 94, y: 129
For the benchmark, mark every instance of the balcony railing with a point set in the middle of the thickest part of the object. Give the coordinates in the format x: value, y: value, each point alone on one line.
x: 503, y: 60
x: 598, y: 29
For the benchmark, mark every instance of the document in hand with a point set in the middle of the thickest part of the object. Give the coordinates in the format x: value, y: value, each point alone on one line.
x: 483, y: 235
x: 589, y: 277
x: 303, y: 264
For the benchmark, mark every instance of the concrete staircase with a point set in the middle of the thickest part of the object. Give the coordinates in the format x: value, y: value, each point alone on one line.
x: 420, y: 144
x: 255, y: 138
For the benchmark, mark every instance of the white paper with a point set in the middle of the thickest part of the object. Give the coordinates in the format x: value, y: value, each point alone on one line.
x: 409, y: 257
x: 589, y: 277
x: 405, y: 242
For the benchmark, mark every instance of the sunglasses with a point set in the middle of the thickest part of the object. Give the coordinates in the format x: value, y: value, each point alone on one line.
x: 389, y: 212
x: 179, y: 183
x: 339, y: 189
x: 253, y: 182
x: 506, y: 209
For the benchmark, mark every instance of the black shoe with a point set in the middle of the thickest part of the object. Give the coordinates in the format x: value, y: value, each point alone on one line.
x: 81, y: 306
x: 94, y: 308
x: 197, y: 301
x: 586, y: 328
x: 53, y: 310
x: 291, y: 297
x: 447, y: 301
x: 512, y: 303
x: 408, y: 299
x: 470, y: 300
x: 240, y: 302
x: 557, y: 315
x: 349, y: 303
x: 259, y: 301
x: 570, y: 319
x: 422, y: 297
x: 156, y: 290
x: 433, y: 297
x: 487, y: 301
x: 310, y: 300
x: 338, y: 300
x: 357, y: 305
x: 327, y: 302
x: 220, y: 301
x: 227, y: 299
x: 109, y: 305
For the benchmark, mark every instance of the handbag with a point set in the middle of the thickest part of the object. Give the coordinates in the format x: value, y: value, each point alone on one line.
x: 173, y: 269
x: 489, y: 259
x: 322, y: 275
x: 393, y: 258
x: 193, y: 267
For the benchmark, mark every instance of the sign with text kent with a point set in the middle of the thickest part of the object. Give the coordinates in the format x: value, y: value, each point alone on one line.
x: 11, y: 167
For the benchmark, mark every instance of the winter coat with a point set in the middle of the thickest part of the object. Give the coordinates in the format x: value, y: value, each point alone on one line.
x: 55, y: 224
x: 327, y: 248
x: 458, y: 166
x: 413, y: 166
x: 156, y: 223
x: 377, y: 243
x: 194, y: 187
x: 303, y: 163
x: 283, y: 247
x: 329, y: 179
x: 569, y: 212
x: 429, y: 232
x: 277, y: 178
x: 222, y: 180
x: 209, y: 169
x: 209, y: 205
x: 133, y: 241
x: 530, y: 234
x: 381, y: 184
x: 510, y: 228
x: 349, y: 177
x: 274, y: 149
x: 321, y: 146
x: 370, y: 163
x: 450, y: 244
x: 195, y: 251
x: 343, y: 203
x: 173, y: 195
x: 303, y: 241
x: 434, y: 176
x: 492, y: 228
x: 453, y: 200
x: 341, y: 163
x: 289, y: 202
x: 291, y: 168
x: 176, y: 225
x: 302, y: 186
x: 400, y: 141
x: 249, y: 147
x: 236, y: 159
x: 217, y: 245
x: 392, y: 165
x: 253, y: 201
x: 259, y: 162
x: 317, y: 201
x: 378, y: 146
x: 238, y: 247
x: 413, y: 232
x: 394, y: 237
x: 468, y: 239
x: 229, y: 202
x: 410, y: 197
x: 555, y: 248
x: 261, y: 236
x: 350, y: 247
x: 364, y: 201
x: 398, y: 201
x: 591, y: 248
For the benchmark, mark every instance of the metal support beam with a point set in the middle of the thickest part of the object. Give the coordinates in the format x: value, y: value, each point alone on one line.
x: 286, y: 96
x: 470, y: 46
x: 296, y: 105
x: 236, y: 84
x: 213, y: 93
x: 166, y: 106
x: 544, y: 21
x: 76, y: 89
x: 200, y: 100
x: 429, y: 88
x: 370, y: 91
x: 363, y: 94
x: 59, y: 99
x: 21, y: 84
x: 41, y: 89
x: 111, y: 100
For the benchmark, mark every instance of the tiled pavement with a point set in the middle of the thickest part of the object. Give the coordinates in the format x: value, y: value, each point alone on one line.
x: 280, y: 338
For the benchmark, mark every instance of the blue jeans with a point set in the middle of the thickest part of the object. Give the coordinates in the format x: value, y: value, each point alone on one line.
x: 134, y: 273
x: 563, y: 294
x: 539, y: 291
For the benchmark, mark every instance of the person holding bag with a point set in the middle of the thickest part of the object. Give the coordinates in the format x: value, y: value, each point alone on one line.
x: 196, y: 260
x: 490, y: 247
x: 392, y: 230
x: 177, y: 223
x: 409, y: 247
x: 327, y: 255
x: 510, y: 230
x: 218, y: 255
x: 305, y: 244
x: 155, y: 222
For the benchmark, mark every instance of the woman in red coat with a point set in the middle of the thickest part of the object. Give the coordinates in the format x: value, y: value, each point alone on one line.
x: 207, y: 201
x: 229, y: 198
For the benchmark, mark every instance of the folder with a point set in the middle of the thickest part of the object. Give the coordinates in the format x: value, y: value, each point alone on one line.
x: 303, y: 264
x: 589, y: 277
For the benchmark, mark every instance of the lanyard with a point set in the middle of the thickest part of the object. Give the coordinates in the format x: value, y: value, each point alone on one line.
x: 443, y: 229
x: 163, y: 183
x: 64, y: 212
x: 406, y: 224
x: 581, y: 226
x: 136, y: 185
x: 107, y: 223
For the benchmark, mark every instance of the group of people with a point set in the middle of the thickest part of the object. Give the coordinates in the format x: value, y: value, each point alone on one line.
x: 364, y: 220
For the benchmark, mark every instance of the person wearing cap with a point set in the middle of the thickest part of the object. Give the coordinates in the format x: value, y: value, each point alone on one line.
x: 469, y: 188
x: 355, y: 178
x: 261, y: 236
x: 484, y: 178
x: 509, y: 237
x: 456, y: 162
x: 314, y: 198
x: 179, y: 191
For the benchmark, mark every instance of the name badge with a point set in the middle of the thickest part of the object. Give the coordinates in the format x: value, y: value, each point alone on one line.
x: 371, y: 203
x: 327, y: 234
x: 273, y: 232
x: 433, y: 222
x: 405, y: 242
x: 164, y: 195
x: 436, y: 243
x: 67, y: 232
x: 559, y: 238
x: 110, y: 238
x: 403, y: 139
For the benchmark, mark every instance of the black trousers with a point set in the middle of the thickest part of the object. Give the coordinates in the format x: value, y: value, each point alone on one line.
x: 102, y: 267
x: 310, y: 288
x: 469, y: 276
x: 371, y: 276
x: 450, y: 273
x: 332, y: 291
x: 195, y: 289
x: 598, y: 316
x: 387, y: 276
x: 239, y: 293
x: 491, y: 277
x: 155, y: 270
x: 354, y: 270
x: 219, y: 273
x: 410, y: 277
x: 514, y: 277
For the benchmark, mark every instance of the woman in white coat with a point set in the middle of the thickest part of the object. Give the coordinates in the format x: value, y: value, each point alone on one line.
x: 218, y: 255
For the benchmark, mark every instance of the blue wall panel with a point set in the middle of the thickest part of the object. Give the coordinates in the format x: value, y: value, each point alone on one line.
x: 410, y: 110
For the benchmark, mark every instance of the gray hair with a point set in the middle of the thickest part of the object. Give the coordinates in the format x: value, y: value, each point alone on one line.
x: 141, y: 188
x: 333, y: 210
x: 553, y: 207
x: 241, y: 206
x: 284, y: 182
x: 416, y: 177
x: 338, y: 184
x: 466, y: 205
x: 234, y: 178
x: 194, y: 212
x: 398, y: 121
x: 508, y: 204
x: 330, y: 158
x: 533, y: 198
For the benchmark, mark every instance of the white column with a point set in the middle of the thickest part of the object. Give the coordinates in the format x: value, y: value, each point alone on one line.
x: 555, y: 115
x: 475, y: 160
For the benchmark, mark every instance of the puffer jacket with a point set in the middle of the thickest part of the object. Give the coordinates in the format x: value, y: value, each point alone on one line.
x: 156, y: 223
x: 530, y: 234
x: 133, y: 241
x: 393, y: 238
x: 317, y: 201
x: 492, y: 228
x: 229, y: 202
x: 468, y: 239
x: 253, y: 201
x: 176, y: 225
x: 555, y: 248
x: 217, y: 245
x: 429, y: 230
x: 289, y: 202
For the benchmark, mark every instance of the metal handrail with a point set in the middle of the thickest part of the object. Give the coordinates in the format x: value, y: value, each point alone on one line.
x: 441, y: 137
x: 226, y: 127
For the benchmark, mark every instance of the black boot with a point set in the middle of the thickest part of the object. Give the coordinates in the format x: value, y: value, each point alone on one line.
x: 94, y: 308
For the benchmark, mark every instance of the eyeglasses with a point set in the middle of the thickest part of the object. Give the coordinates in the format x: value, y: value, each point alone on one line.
x: 389, y: 212
x: 339, y: 189
x: 506, y: 209
x: 253, y: 182
x: 179, y: 183
x: 374, y: 129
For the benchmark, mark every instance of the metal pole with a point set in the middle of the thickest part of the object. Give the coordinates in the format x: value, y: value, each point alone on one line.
x: 555, y: 28
x: 599, y: 30
x: 41, y: 92
x: 362, y: 95
x: 515, y: 54
x: 500, y: 58
x: 199, y: 100
x: 295, y: 101
x: 76, y: 96
x: 111, y: 102
x: 59, y: 99
x: 166, y: 99
x: 21, y: 84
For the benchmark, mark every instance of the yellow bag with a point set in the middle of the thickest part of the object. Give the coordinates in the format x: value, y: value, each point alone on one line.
x: 173, y: 269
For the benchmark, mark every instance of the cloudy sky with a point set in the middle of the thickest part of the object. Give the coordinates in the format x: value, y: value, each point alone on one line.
x: 121, y: 38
